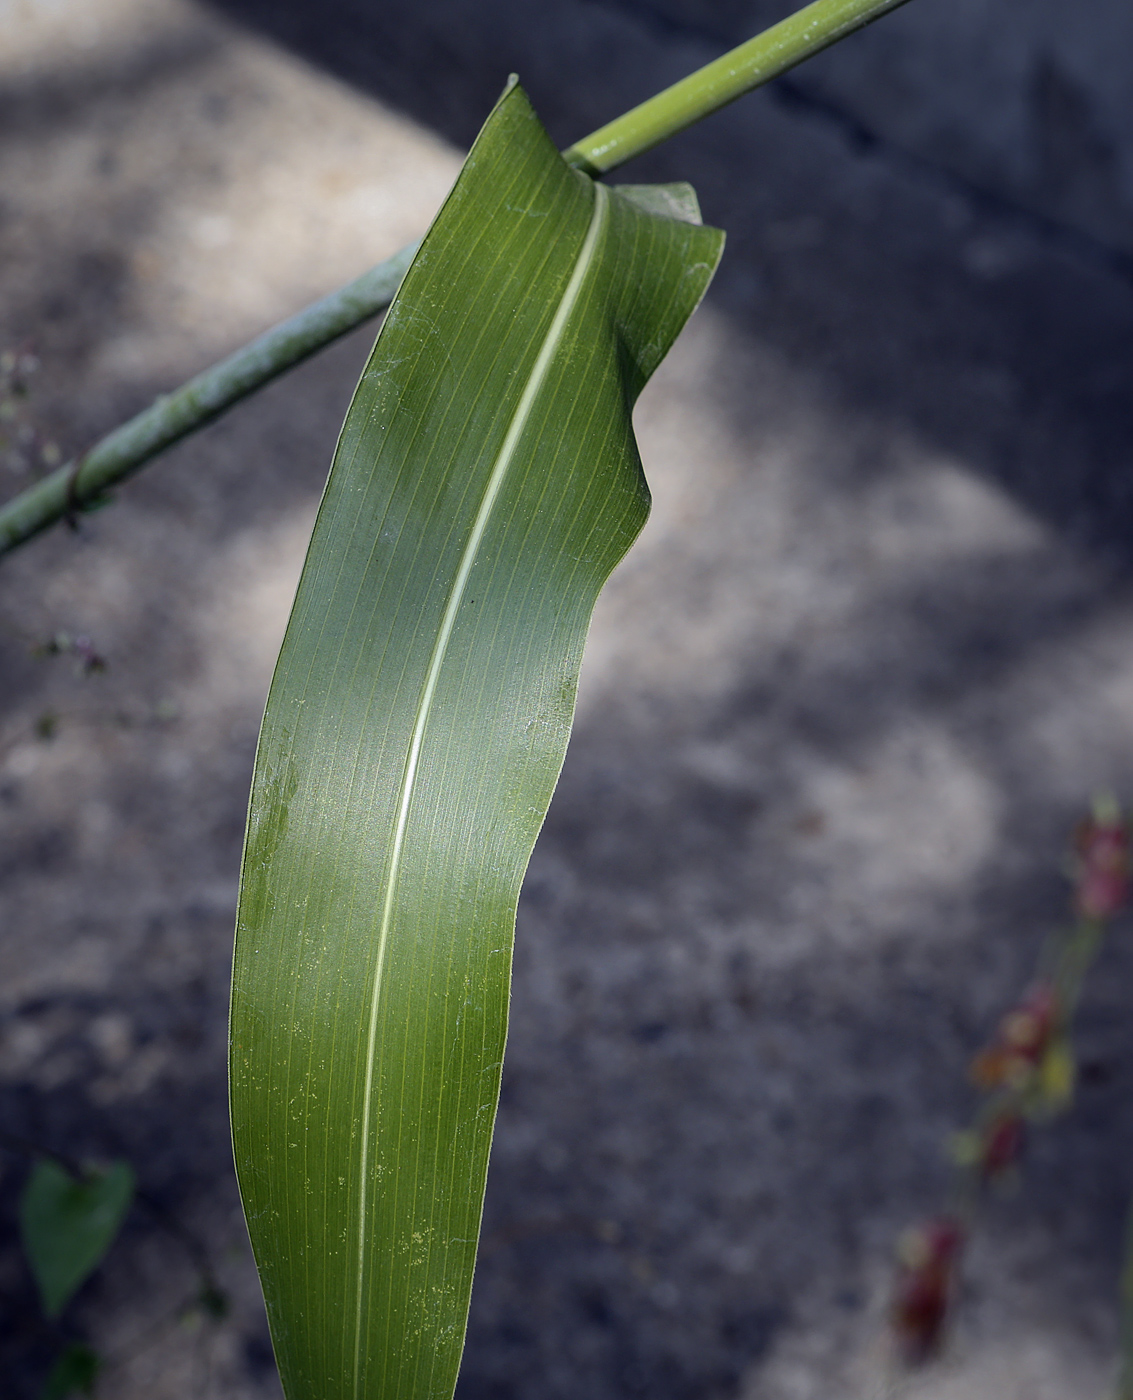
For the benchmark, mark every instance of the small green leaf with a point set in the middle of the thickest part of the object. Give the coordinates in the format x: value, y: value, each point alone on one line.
x: 67, y: 1225
x: 73, y: 1374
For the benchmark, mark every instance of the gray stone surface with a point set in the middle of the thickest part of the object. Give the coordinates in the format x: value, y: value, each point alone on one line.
x: 1030, y: 99
x: 841, y: 706
x: 1026, y: 101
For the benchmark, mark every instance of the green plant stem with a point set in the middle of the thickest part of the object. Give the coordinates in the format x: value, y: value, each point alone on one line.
x: 77, y: 485
x: 83, y: 483
x: 714, y: 86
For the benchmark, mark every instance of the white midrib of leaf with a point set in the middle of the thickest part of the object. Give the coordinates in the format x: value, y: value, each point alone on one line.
x: 496, y: 479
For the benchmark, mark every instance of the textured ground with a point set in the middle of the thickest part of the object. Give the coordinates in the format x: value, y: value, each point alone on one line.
x: 841, y: 707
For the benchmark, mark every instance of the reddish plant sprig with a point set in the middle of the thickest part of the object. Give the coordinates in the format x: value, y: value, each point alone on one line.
x: 1027, y: 1071
x: 928, y: 1255
x: 1101, y: 844
x: 1002, y: 1145
x: 1024, y: 1037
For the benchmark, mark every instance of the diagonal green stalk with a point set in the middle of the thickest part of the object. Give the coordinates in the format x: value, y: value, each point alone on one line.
x: 784, y: 45
x: 83, y: 483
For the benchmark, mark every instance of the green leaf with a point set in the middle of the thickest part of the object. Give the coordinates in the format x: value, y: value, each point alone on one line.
x: 74, y: 1373
x: 67, y: 1225
x: 485, y: 484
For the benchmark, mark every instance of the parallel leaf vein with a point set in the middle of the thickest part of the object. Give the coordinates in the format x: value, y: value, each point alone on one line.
x: 496, y: 478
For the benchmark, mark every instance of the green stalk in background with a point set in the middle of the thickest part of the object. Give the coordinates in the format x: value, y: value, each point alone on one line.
x: 81, y: 484
x: 717, y: 84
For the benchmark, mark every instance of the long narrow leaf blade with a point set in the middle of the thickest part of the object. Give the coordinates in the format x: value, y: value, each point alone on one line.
x: 485, y: 484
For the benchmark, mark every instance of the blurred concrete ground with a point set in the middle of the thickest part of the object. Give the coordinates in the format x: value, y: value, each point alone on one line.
x: 841, y: 705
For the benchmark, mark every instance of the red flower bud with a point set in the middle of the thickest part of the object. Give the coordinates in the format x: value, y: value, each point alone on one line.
x: 1102, y: 893
x: 1020, y: 1043
x: 922, y: 1297
x: 1102, y: 844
